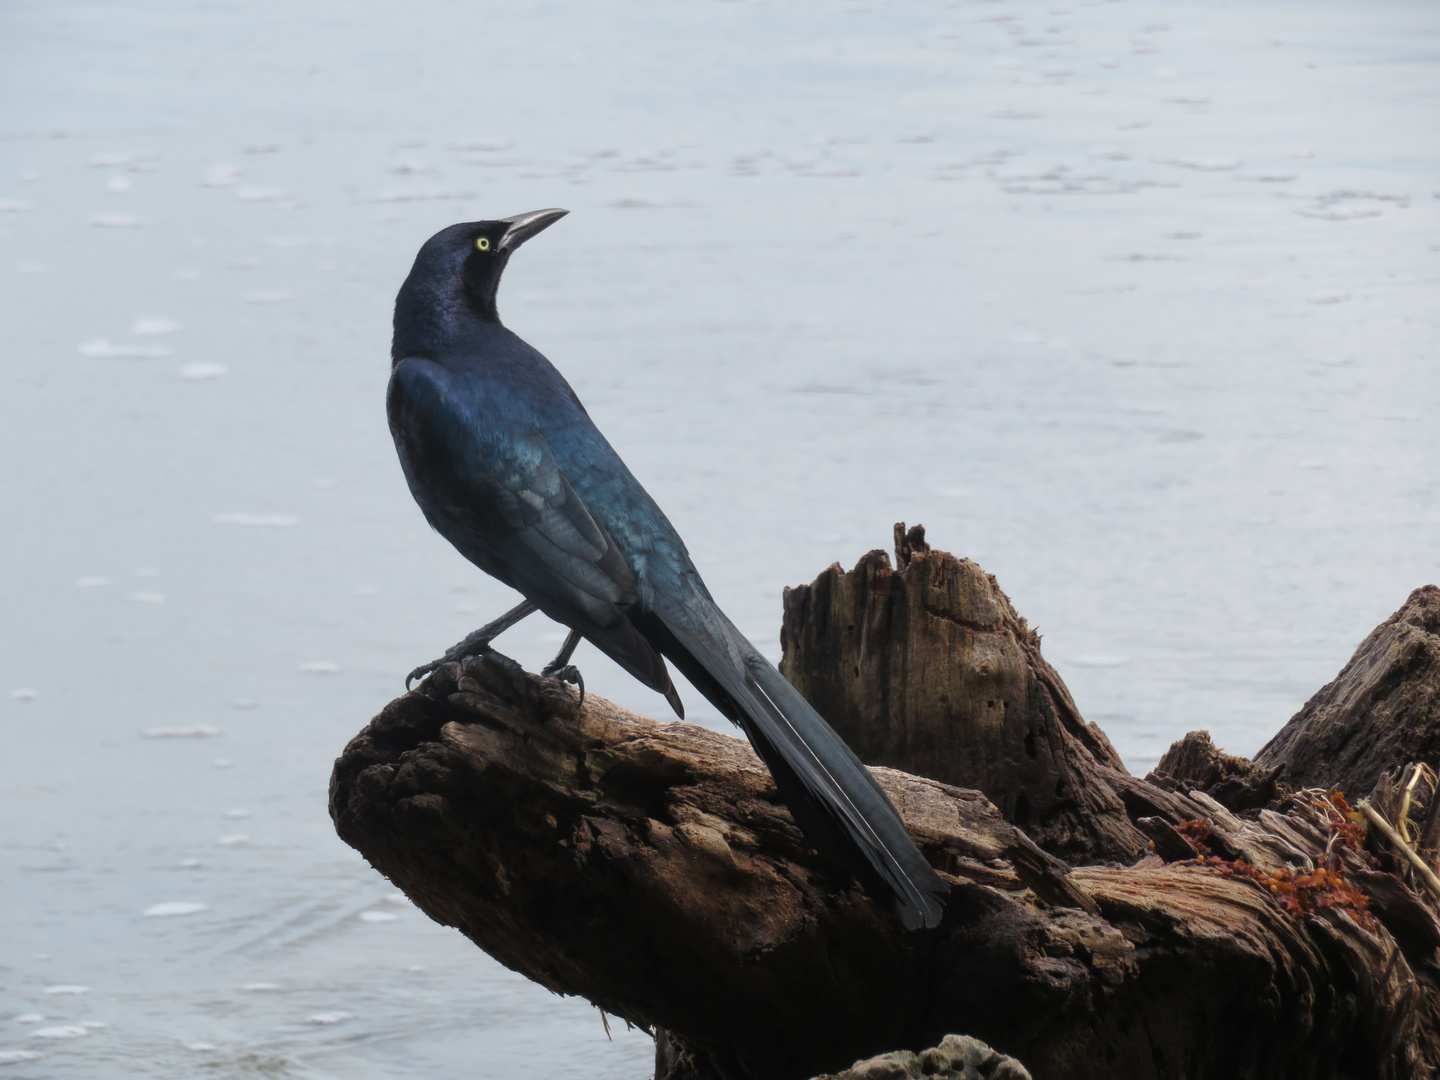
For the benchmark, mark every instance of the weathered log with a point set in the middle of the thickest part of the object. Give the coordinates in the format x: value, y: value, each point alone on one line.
x: 1381, y: 711
x: 651, y: 868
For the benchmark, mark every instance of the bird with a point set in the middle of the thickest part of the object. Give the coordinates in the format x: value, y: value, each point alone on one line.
x: 506, y: 464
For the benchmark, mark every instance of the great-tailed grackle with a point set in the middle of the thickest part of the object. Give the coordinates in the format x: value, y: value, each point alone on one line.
x: 507, y: 466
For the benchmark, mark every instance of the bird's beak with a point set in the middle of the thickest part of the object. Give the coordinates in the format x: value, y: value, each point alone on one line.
x: 522, y: 227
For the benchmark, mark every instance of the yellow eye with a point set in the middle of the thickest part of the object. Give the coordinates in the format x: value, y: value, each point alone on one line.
x: 482, y: 244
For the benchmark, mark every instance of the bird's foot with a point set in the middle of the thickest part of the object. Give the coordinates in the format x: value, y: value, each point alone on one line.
x: 471, y: 646
x: 476, y: 643
x: 567, y: 673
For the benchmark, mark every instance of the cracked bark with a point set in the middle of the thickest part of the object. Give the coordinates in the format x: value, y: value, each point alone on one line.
x: 650, y: 867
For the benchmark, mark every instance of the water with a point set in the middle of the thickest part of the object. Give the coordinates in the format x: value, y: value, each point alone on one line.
x: 1132, y: 302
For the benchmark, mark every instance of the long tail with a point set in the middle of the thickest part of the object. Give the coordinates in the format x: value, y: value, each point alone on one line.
x: 834, y: 799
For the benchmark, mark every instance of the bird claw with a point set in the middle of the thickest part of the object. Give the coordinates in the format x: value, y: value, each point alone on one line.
x: 420, y: 672
x: 569, y: 673
x: 453, y: 654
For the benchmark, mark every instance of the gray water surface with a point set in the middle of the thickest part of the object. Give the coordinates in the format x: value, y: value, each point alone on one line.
x: 1135, y: 303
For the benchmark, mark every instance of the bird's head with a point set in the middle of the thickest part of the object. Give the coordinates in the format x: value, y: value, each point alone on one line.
x: 461, y: 265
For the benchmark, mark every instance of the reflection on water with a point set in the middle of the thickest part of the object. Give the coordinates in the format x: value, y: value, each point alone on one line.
x: 1134, y: 305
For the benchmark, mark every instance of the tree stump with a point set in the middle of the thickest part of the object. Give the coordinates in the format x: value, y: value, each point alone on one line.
x: 651, y: 868
x: 929, y: 669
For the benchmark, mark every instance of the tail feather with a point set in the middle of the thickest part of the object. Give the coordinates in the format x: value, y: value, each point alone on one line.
x: 835, y: 800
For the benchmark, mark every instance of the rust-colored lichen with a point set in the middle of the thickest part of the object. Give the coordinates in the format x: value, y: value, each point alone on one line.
x: 1303, y: 894
x: 1197, y: 834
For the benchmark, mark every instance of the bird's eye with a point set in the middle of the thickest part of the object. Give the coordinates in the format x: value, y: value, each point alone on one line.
x: 482, y: 244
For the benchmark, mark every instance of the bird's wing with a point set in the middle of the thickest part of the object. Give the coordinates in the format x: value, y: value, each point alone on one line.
x: 499, y: 496
x: 834, y: 799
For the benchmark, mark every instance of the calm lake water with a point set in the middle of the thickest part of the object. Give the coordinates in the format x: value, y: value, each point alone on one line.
x: 1134, y: 302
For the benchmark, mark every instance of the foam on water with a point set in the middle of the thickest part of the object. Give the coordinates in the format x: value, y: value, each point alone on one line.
x: 115, y: 221
x: 1204, y: 164
x: 171, y: 908
x: 114, y: 158
x: 104, y: 347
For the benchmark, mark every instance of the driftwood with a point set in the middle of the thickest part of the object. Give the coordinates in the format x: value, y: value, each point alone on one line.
x: 1207, y: 921
x: 1382, y: 710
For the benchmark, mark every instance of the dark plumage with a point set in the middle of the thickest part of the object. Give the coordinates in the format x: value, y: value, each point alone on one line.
x: 507, y: 466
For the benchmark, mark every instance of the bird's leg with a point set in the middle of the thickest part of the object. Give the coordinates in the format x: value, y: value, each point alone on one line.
x: 561, y: 668
x: 475, y: 643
